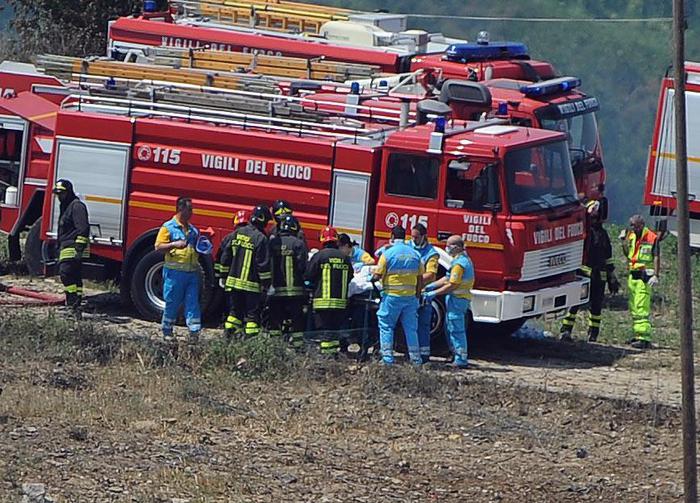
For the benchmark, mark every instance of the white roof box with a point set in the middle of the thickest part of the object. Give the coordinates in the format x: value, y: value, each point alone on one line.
x: 19, y: 68
x: 393, y: 23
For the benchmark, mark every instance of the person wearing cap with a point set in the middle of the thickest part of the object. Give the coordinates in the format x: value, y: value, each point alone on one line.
x: 246, y: 259
x: 400, y: 271
x: 280, y: 209
x: 73, y: 242
x: 429, y: 258
x: 177, y: 240
x: 286, y: 300
x: 598, y: 266
x: 329, y: 273
x: 641, y: 247
x: 456, y: 285
x: 357, y: 255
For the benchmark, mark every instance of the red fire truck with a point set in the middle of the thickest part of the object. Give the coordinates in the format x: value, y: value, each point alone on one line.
x: 509, y: 190
x: 660, y: 188
x: 394, y: 50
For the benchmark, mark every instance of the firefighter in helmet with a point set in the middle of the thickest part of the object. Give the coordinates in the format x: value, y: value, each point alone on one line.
x: 280, y: 209
x: 401, y: 272
x: 641, y: 247
x: 599, y: 268
x: 286, y: 300
x: 242, y: 217
x: 73, y: 242
x: 329, y: 273
x: 246, y: 258
x: 177, y: 240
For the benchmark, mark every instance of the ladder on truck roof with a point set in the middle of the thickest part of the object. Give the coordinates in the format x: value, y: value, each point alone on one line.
x: 69, y: 69
x: 282, y: 16
x: 244, y: 109
x: 278, y: 66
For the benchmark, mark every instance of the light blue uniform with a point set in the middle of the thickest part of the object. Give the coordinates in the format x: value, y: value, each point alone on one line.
x: 399, y: 266
x: 425, y: 312
x: 181, y: 279
x: 458, y: 302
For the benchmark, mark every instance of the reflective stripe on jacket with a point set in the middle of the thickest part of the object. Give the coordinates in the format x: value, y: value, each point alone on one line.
x: 641, y: 253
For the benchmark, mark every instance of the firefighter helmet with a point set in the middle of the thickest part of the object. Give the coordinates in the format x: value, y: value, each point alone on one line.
x: 289, y: 224
x: 329, y: 235
x: 62, y: 185
x: 260, y: 215
x: 593, y: 207
x: 281, y: 208
x: 242, y: 217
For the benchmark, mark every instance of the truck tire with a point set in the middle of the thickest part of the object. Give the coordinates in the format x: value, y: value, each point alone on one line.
x: 35, y: 250
x: 438, y: 337
x: 146, y: 288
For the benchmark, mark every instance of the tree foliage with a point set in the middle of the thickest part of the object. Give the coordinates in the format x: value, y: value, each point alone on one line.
x: 75, y: 27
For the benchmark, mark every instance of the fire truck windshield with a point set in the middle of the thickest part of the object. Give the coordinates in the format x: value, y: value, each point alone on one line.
x: 539, y: 178
x: 582, y: 130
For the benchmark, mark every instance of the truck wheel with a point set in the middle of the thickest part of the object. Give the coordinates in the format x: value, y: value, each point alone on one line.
x: 36, y: 251
x: 146, y: 287
x: 438, y: 337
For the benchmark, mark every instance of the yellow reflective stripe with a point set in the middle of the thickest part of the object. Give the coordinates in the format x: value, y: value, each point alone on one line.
x: 288, y: 270
x: 67, y: 254
x: 240, y: 284
x: 71, y: 289
x: 81, y: 240
x: 245, y: 270
x: 330, y: 303
x: 344, y: 293
x: 265, y: 275
x: 326, y: 284
x: 178, y: 266
x: 293, y: 291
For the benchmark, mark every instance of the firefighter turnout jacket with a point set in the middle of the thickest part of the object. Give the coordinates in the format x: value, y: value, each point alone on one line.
x: 330, y: 271
x: 289, y: 255
x: 598, y: 252
x: 246, y: 257
x: 74, y: 231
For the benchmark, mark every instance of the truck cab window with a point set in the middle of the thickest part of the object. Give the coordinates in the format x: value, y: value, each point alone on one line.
x: 472, y: 185
x: 10, y: 157
x: 412, y: 175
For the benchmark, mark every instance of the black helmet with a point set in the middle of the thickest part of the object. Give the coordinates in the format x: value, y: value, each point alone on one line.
x: 63, y: 185
x: 289, y: 224
x: 281, y: 208
x: 260, y: 216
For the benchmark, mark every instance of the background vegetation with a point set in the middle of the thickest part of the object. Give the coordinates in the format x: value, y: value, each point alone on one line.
x: 620, y: 63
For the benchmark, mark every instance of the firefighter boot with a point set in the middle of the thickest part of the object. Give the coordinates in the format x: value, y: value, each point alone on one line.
x: 593, y: 327
x: 233, y: 327
x: 567, y: 326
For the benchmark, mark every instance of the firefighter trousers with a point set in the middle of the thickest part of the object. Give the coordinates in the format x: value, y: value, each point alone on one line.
x: 181, y: 288
x: 457, y: 308
x: 595, y: 307
x: 328, y: 324
x: 640, y: 308
x: 244, y: 316
x: 71, y: 274
x: 287, y: 318
x: 393, y: 309
x: 425, y: 314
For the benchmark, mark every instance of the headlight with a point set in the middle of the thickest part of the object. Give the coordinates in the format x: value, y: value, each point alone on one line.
x: 528, y: 303
x: 585, y: 289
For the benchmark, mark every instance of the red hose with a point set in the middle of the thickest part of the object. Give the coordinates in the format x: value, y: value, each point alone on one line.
x: 32, y: 298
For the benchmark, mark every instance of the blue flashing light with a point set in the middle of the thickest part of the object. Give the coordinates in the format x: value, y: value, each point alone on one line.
x: 440, y: 124
x: 464, y: 53
x: 502, y: 109
x: 553, y: 86
x: 383, y: 83
x: 150, y: 6
x: 110, y: 84
x: 355, y: 88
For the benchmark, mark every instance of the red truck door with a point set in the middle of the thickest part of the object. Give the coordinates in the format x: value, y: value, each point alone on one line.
x: 408, y: 193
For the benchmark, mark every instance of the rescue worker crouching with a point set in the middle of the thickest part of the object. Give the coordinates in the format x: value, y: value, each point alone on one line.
x: 600, y: 269
x: 73, y: 242
x: 401, y: 272
x: 641, y: 247
x: 246, y: 258
x: 457, y: 285
x: 329, y: 273
x: 429, y: 258
x: 177, y: 239
x: 286, y: 298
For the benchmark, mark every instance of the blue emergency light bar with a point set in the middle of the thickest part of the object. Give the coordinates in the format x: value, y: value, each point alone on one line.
x: 464, y: 53
x: 553, y: 86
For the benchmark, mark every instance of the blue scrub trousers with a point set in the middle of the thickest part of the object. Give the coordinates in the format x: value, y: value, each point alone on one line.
x: 392, y: 309
x: 425, y: 315
x: 180, y: 287
x: 456, y: 328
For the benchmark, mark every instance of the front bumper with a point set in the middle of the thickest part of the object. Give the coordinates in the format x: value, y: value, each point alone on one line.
x: 495, y: 307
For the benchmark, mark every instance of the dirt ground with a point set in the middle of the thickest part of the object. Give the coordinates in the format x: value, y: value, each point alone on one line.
x: 531, y: 421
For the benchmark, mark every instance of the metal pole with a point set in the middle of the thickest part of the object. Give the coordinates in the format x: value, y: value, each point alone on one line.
x: 690, y: 477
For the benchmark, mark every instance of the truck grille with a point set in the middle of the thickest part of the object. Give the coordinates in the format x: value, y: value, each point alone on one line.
x: 550, y: 261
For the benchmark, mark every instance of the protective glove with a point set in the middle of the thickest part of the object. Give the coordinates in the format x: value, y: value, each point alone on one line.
x: 613, y: 284
x: 653, y: 280
x: 222, y: 283
x: 271, y: 291
x: 623, y: 234
x: 427, y: 297
x: 430, y: 286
